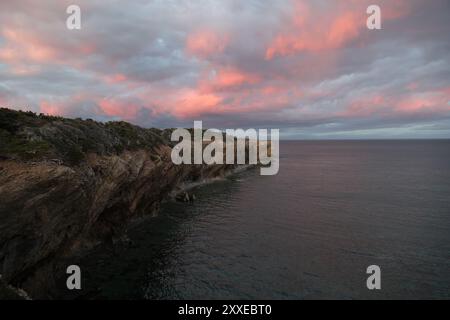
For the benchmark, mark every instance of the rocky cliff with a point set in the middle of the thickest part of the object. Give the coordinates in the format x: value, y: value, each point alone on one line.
x: 67, y: 184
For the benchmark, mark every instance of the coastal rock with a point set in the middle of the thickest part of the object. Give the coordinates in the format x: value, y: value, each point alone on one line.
x: 185, y: 197
x: 8, y: 292
x: 60, y: 198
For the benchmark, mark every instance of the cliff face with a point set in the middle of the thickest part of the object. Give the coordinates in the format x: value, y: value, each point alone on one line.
x: 68, y: 184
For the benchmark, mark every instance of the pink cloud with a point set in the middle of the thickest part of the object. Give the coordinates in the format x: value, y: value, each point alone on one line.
x: 291, y: 64
x: 218, y: 79
x: 312, y: 29
x: 229, y: 77
x: 365, y: 106
x: 433, y: 101
x: 123, y: 108
x: 22, y: 46
x: 205, y: 43
x: 51, y: 108
x: 191, y: 103
x: 116, y: 78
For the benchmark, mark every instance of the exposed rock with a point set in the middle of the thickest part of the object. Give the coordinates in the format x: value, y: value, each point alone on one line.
x: 185, y: 197
x: 8, y: 292
x: 81, y: 182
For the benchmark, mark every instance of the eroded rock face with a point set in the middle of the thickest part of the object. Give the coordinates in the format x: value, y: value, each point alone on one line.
x: 51, y: 210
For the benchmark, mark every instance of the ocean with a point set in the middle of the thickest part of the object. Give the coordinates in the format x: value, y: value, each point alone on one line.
x: 310, y: 232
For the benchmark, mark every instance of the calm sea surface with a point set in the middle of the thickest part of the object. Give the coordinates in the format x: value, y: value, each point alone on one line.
x: 309, y: 232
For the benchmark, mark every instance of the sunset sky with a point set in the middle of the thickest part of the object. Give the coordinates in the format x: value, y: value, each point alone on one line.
x: 310, y: 68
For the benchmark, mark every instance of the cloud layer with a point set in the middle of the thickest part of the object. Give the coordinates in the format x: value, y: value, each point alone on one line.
x: 311, y: 68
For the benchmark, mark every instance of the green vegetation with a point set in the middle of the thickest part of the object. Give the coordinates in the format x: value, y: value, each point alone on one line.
x: 30, y: 137
x: 27, y: 150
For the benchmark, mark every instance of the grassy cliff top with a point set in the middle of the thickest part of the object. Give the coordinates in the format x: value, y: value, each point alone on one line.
x: 31, y: 137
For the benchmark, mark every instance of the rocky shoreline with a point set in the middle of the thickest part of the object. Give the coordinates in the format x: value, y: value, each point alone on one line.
x: 66, y: 185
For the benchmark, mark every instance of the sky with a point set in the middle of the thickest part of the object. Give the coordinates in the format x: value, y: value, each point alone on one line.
x: 310, y: 68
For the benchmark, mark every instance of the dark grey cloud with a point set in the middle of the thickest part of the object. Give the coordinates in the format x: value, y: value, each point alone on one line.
x: 325, y: 76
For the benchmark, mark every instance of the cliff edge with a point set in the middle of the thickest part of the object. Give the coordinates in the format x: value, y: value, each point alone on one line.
x: 67, y: 184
